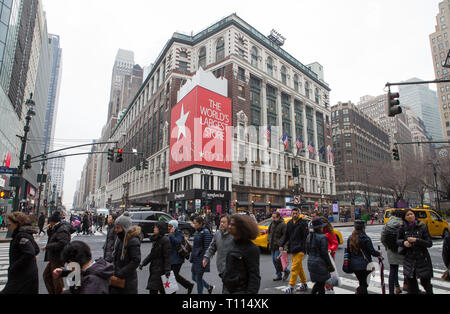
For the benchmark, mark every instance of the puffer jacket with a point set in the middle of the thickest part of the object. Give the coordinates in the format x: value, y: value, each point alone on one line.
x: 202, y: 240
x: 108, y: 247
x: 241, y: 274
x: 126, y: 259
x: 277, y: 229
x: 58, y: 237
x: 417, y: 260
x: 318, y: 258
x: 394, y: 258
x: 23, y: 271
x: 221, y: 244
x: 295, y: 236
x: 360, y: 259
x: 159, y: 259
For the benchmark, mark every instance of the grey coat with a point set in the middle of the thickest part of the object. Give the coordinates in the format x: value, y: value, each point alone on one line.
x: 221, y: 244
x: 394, y: 258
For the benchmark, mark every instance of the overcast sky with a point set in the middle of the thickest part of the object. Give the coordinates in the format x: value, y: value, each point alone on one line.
x: 362, y: 44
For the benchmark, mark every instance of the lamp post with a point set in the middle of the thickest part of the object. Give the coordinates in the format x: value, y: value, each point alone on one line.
x: 30, y: 104
x: 435, y: 165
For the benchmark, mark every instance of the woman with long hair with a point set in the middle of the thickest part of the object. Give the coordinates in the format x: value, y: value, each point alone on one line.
x: 333, y: 245
x: 361, y: 251
x: 414, y: 240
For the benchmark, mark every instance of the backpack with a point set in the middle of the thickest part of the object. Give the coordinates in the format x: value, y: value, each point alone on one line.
x: 389, y: 239
x: 185, y: 249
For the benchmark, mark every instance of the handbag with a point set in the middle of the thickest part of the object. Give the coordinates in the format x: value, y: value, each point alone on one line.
x: 117, y: 282
x: 170, y: 284
x: 346, y: 268
x: 334, y: 280
x: 185, y: 249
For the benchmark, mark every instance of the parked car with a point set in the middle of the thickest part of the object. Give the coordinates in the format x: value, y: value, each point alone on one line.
x: 437, y: 226
x: 146, y: 219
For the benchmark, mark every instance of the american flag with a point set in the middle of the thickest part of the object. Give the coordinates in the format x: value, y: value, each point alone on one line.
x: 268, y: 133
x: 311, y: 148
x: 299, y: 143
x: 331, y: 153
x: 285, y: 140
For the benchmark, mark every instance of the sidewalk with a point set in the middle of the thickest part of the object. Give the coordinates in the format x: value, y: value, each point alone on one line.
x: 351, y: 223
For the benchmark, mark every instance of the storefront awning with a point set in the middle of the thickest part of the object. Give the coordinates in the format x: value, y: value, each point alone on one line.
x: 276, y: 205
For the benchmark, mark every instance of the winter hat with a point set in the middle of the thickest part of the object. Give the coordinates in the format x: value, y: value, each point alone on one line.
x: 174, y: 223
x: 360, y: 224
x: 318, y: 223
x: 55, y: 217
x: 124, y: 221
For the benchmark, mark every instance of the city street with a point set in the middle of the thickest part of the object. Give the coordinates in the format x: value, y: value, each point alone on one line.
x: 349, y: 282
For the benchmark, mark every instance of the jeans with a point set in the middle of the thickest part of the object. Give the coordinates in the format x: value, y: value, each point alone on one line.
x: 198, y: 279
x: 393, y: 278
x: 277, y: 263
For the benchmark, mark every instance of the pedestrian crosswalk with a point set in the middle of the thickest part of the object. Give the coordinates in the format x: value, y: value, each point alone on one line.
x: 349, y: 284
x: 4, y: 264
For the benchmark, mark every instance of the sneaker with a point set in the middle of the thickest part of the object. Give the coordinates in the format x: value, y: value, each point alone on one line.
x: 210, y: 289
x: 286, y: 275
x: 289, y: 290
x: 302, y: 288
x: 329, y: 291
x: 277, y: 279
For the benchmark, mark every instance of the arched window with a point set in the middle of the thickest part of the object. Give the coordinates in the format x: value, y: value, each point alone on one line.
x: 220, y: 49
x: 183, y: 54
x: 283, y: 75
x: 202, y: 57
x: 269, y: 66
x: 254, y: 56
x: 296, y: 84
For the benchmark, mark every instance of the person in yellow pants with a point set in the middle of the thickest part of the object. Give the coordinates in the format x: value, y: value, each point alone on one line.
x: 295, y: 235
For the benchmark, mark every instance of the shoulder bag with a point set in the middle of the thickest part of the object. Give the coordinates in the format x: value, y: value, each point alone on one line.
x: 117, y: 282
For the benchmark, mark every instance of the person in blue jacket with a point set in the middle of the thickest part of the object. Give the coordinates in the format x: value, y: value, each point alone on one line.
x: 176, y: 261
x: 202, y: 240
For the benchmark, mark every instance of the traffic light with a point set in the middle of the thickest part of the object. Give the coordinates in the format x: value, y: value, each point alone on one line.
x: 2, y: 194
x: 295, y: 172
x: 145, y: 164
x: 28, y: 162
x: 302, y: 190
x: 393, y: 104
x: 396, y: 154
x: 111, y: 154
x: 119, y: 157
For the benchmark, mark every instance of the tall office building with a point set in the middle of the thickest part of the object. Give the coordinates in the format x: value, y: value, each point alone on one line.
x: 53, y: 92
x: 56, y: 168
x: 424, y: 103
x: 439, y: 43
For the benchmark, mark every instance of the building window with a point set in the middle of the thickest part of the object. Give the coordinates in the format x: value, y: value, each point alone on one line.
x: 348, y: 144
x: 317, y: 95
x: 241, y: 52
x: 283, y: 75
x: 202, y: 58
x: 307, y: 90
x: 241, y: 176
x: 269, y: 66
x: 255, y: 57
x: 241, y: 91
x: 220, y: 49
x: 183, y: 54
x: 241, y: 74
x: 296, y: 84
x: 183, y: 67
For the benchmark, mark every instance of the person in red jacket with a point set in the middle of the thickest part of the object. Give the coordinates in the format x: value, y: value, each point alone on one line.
x: 332, y: 246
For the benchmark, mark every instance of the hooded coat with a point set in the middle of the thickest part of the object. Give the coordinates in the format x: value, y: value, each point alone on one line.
x: 175, y: 241
x: 23, y: 275
x: 108, y: 247
x: 159, y: 258
x: 126, y: 259
x: 295, y: 235
x: 417, y: 260
x: 95, y: 279
x: 58, y: 237
x: 277, y: 229
x: 318, y: 258
x: 394, y: 258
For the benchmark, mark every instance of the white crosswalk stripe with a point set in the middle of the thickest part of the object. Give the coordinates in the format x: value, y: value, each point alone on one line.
x: 349, y: 284
x: 4, y: 264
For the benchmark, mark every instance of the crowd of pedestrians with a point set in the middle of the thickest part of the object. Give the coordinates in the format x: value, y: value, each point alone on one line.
x: 405, y: 238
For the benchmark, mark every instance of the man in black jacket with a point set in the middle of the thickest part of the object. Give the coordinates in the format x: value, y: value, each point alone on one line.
x: 295, y: 236
x: 277, y: 229
x: 59, y: 235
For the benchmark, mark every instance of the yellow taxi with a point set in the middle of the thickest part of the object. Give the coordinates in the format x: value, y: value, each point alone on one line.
x: 437, y: 226
x: 263, y: 226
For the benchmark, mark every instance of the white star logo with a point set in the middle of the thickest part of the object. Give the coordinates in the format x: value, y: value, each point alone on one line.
x: 182, y: 123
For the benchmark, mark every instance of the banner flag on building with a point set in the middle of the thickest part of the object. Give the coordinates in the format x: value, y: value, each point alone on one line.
x: 285, y: 141
x: 268, y: 134
x: 311, y: 148
x: 299, y: 144
x: 322, y: 152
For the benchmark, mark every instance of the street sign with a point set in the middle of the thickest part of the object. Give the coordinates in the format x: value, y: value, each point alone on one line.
x: 296, y: 181
x: 297, y: 200
x: 6, y: 170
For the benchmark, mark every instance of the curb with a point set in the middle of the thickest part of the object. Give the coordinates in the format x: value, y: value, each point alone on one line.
x: 5, y: 240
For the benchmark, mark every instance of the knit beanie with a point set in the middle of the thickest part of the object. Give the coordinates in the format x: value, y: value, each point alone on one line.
x: 174, y: 223
x: 124, y: 221
x: 55, y: 217
x: 360, y: 224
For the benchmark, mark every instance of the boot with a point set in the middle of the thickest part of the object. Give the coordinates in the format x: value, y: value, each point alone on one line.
x: 405, y: 286
x: 398, y: 290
